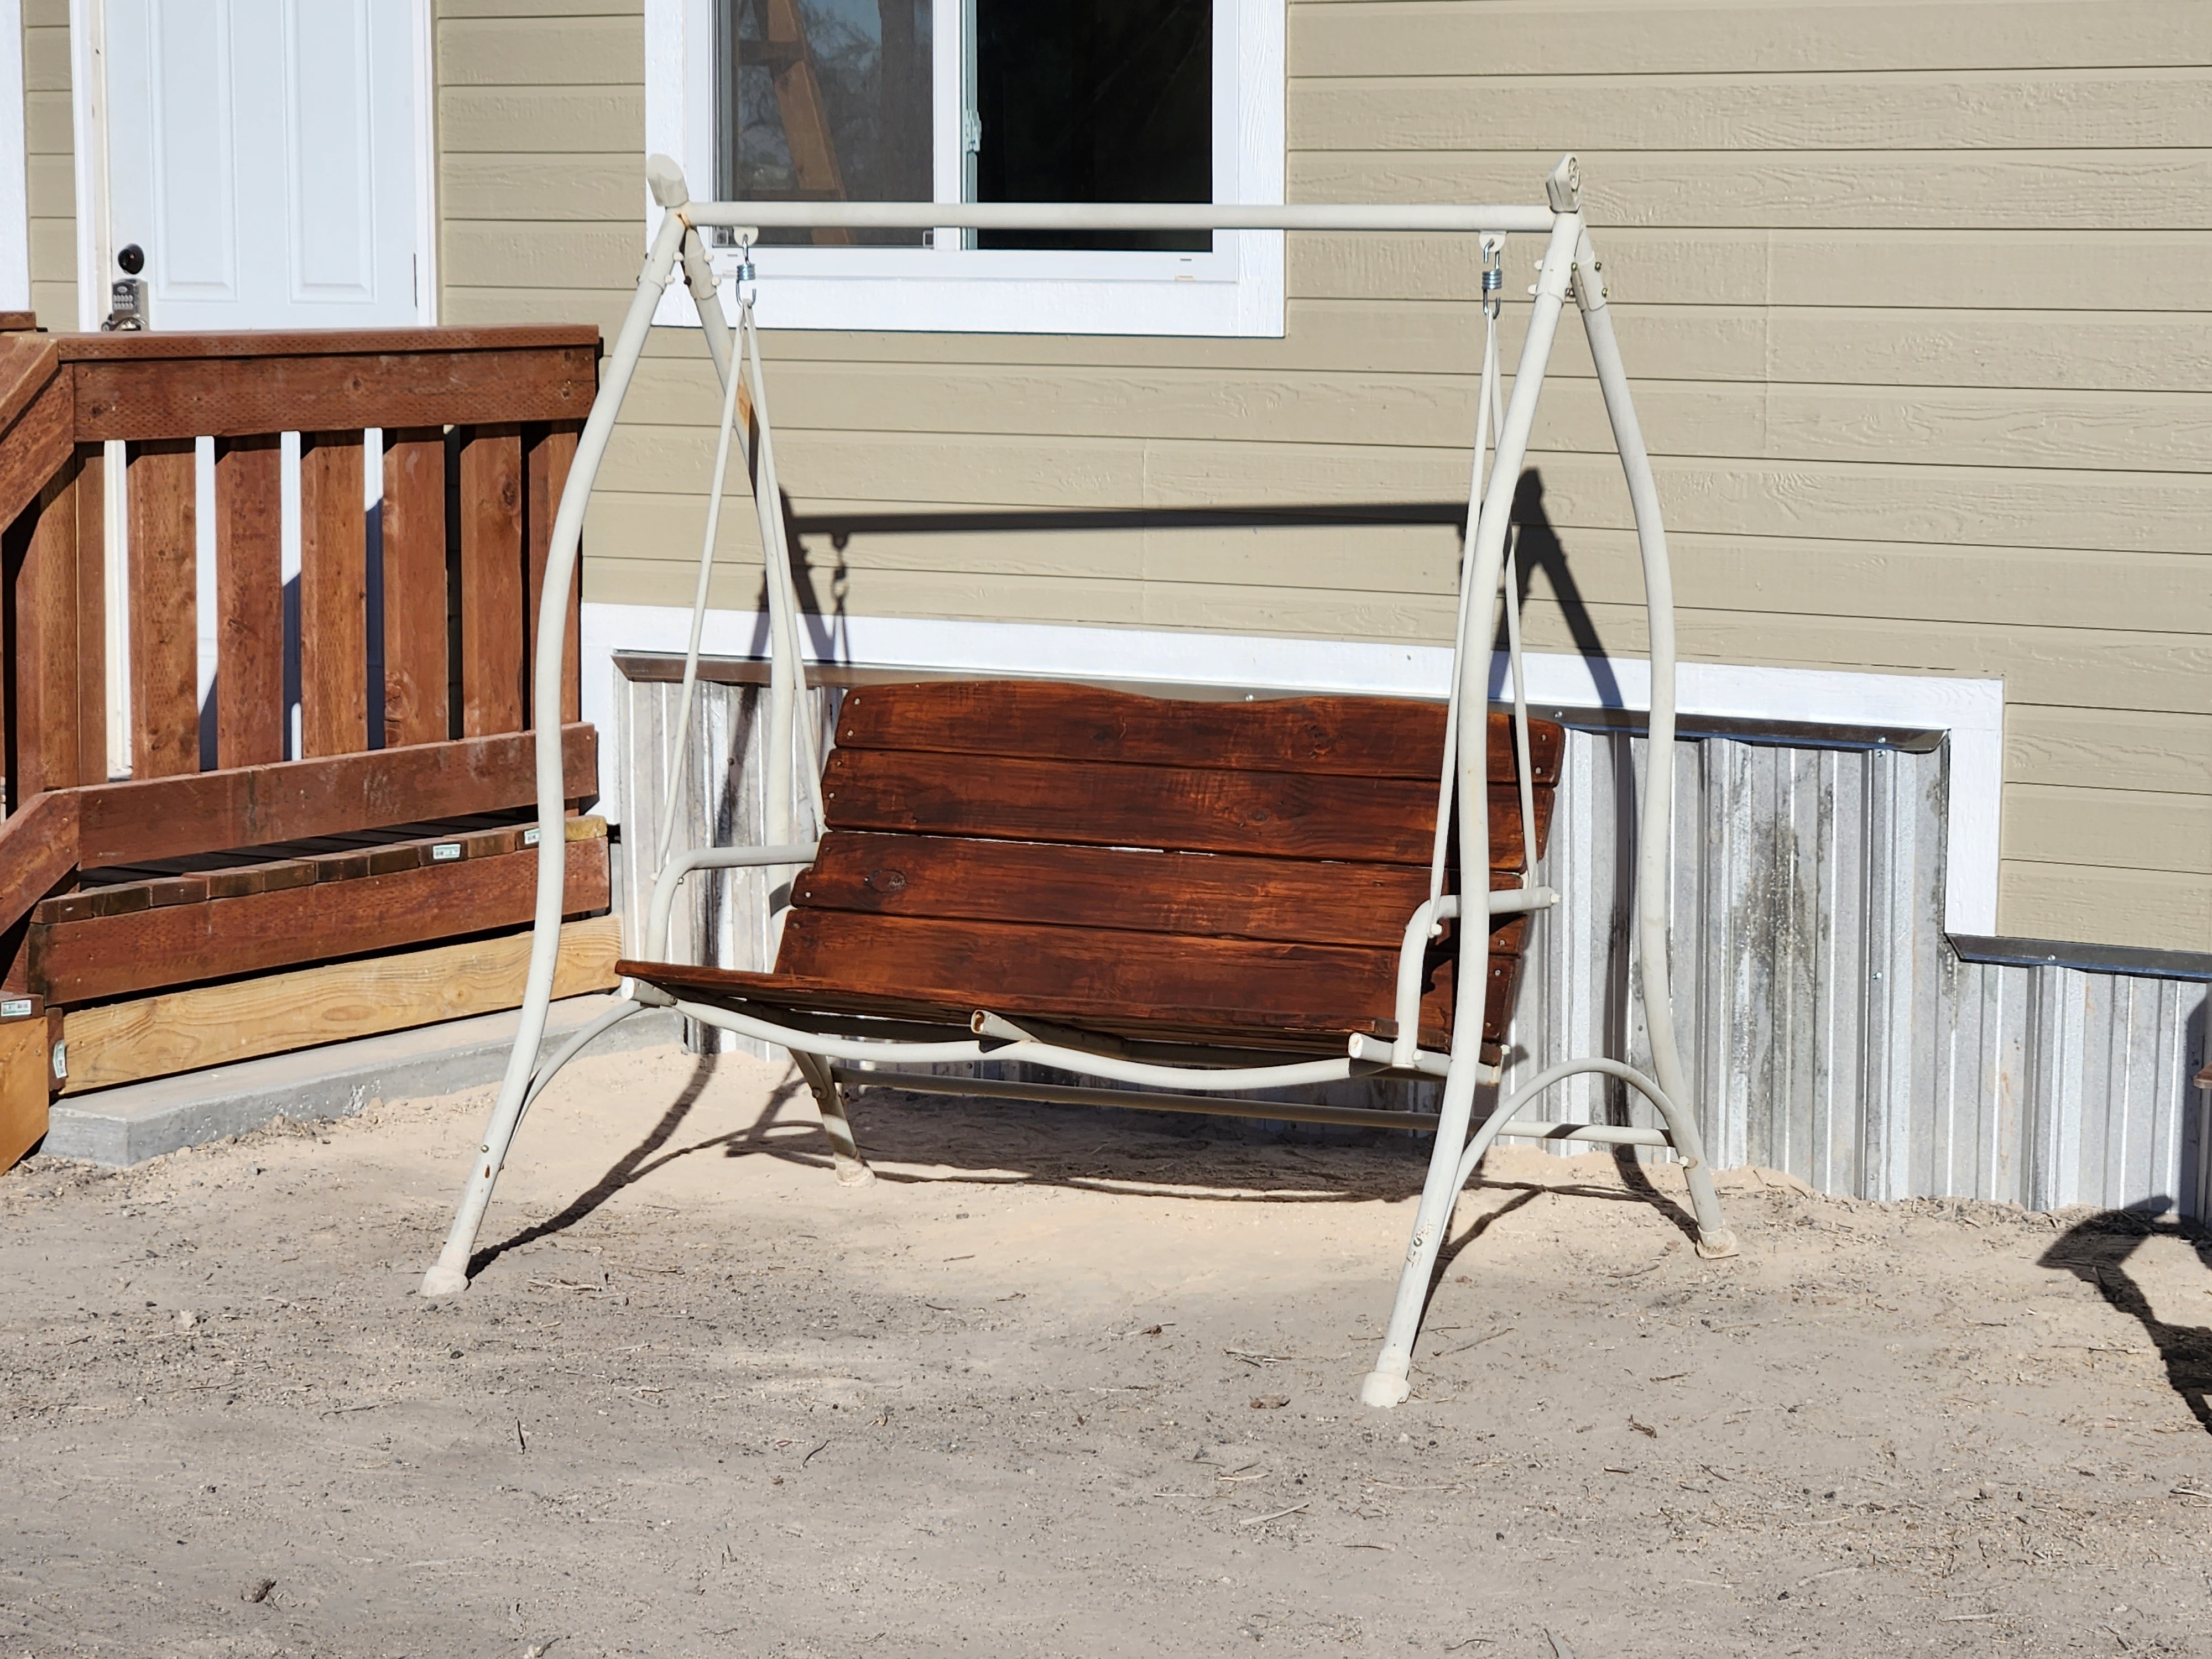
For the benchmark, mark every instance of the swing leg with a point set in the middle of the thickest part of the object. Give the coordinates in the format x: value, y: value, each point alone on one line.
x: 1387, y: 1385
x: 853, y: 1170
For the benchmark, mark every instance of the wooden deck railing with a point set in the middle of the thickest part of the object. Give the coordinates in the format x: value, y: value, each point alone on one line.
x: 478, y: 425
x: 478, y: 429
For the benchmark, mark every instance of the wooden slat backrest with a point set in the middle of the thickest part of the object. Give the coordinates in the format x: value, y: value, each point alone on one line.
x: 1052, y: 719
x: 1239, y: 871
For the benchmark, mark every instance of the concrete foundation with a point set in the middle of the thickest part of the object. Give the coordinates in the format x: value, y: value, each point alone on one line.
x: 139, y: 1121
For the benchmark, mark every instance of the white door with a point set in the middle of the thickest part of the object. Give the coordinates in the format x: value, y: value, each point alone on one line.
x: 264, y: 155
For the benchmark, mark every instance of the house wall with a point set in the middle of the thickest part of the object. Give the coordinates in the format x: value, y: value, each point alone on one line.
x: 50, y: 162
x: 1915, y: 297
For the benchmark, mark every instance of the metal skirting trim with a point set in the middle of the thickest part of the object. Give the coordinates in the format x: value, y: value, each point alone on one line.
x: 1830, y: 1029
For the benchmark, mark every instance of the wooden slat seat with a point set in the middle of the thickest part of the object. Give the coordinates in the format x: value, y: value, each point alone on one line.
x: 1231, y: 873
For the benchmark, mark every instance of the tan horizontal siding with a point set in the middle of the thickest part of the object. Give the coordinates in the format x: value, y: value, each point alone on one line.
x: 2111, y: 748
x: 1422, y: 38
x: 2066, y: 189
x: 2007, y: 267
x: 1918, y: 299
x: 2152, y: 910
x: 1945, y: 110
x: 2047, y: 823
x: 2105, y: 431
x: 602, y: 47
x: 49, y: 167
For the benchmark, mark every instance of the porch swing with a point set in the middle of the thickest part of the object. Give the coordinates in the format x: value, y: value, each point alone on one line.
x: 1204, y: 898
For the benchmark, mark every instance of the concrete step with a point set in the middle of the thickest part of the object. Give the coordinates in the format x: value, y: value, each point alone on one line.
x: 138, y: 1120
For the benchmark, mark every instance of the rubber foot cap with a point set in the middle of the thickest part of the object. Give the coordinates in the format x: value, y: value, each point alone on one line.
x: 851, y: 1174
x: 1383, y: 1390
x: 442, y: 1281
x: 1714, y: 1246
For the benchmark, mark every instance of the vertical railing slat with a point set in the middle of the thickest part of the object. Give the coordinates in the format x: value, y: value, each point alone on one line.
x: 161, y: 489
x: 49, y: 748
x: 333, y: 596
x: 552, y: 451
x: 493, y: 587
x: 249, y: 686
x: 415, y: 690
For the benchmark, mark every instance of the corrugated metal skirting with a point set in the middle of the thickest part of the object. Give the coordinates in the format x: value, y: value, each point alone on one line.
x: 1830, y: 1030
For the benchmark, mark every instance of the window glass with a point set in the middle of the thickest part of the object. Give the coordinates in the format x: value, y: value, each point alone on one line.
x: 825, y: 100
x: 1094, y: 101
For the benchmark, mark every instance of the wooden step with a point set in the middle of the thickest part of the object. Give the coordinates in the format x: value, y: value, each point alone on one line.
x: 94, y: 958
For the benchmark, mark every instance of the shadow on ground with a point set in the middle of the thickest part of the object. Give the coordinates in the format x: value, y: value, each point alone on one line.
x: 2096, y: 1251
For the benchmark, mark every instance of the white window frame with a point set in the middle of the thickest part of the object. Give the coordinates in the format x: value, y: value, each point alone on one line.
x: 1236, y: 290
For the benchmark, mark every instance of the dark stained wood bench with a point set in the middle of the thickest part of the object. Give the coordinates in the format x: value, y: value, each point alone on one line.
x: 1236, y: 874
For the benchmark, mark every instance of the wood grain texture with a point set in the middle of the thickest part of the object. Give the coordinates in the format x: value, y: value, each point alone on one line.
x: 25, y: 1069
x: 1309, y: 997
x: 165, y: 723
x: 180, y: 944
x: 1267, y: 814
x: 238, y: 393
x: 35, y: 446
x: 1205, y: 895
x: 493, y: 663
x: 416, y: 675
x: 183, y: 1031
x: 333, y: 596
x: 39, y: 851
x: 44, y: 742
x: 262, y: 806
x: 1055, y: 719
x: 28, y: 364
x: 249, y: 686
x: 547, y: 453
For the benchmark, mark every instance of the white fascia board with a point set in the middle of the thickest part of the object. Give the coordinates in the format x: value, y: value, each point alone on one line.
x: 1971, y: 711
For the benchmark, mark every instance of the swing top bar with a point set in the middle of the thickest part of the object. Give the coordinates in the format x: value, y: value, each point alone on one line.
x: 1114, y: 215
x: 1563, y: 189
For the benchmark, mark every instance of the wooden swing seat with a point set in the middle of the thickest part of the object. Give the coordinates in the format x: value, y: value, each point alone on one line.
x: 1228, y: 874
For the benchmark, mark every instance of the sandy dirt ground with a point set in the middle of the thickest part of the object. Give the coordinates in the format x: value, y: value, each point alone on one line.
x: 1066, y: 1381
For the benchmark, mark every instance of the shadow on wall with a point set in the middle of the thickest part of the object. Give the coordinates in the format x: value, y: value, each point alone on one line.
x: 2096, y: 1251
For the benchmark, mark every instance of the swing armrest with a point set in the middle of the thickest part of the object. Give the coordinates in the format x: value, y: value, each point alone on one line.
x: 1423, y: 925
x: 710, y: 858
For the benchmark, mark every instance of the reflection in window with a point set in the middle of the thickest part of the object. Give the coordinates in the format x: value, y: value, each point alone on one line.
x: 825, y: 100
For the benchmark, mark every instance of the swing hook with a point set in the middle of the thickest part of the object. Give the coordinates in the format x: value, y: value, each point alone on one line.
x: 747, y: 271
x: 1494, y: 274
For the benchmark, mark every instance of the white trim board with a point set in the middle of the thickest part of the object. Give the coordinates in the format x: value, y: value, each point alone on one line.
x: 1971, y: 712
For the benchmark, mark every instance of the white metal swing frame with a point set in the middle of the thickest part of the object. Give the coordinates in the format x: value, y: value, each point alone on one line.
x: 1569, y: 269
